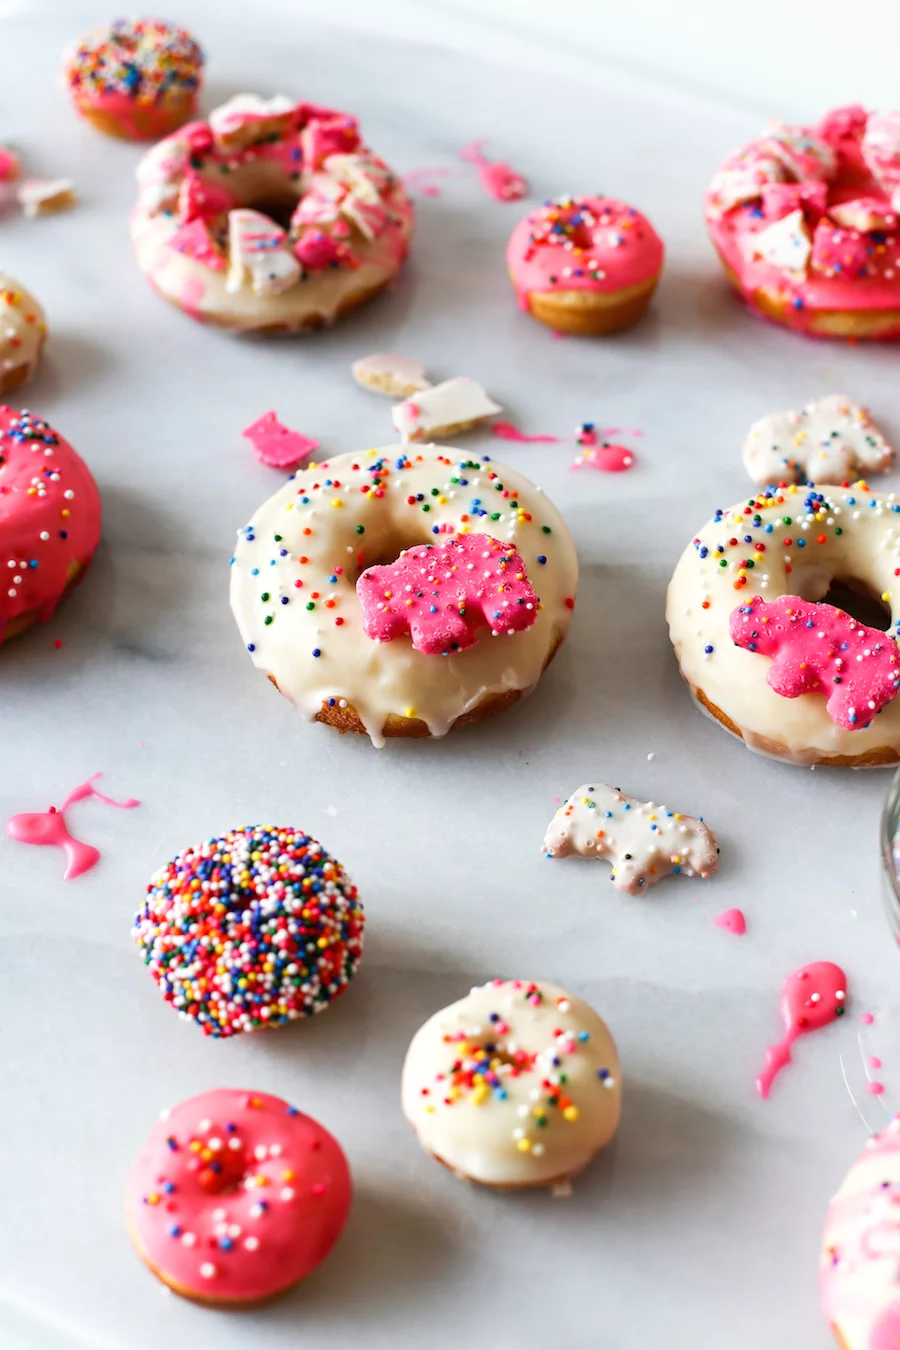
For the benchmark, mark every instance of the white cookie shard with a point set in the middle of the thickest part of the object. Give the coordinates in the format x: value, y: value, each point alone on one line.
x: 827, y: 441
x: 865, y: 214
x: 246, y: 118
x: 786, y: 244
x: 43, y: 196
x: 743, y: 180
x: 443, y: 409
x: 258, y: 253
x: 644, y: 841
x: 387, y: 373
x: 805, y: 155
x: 364, y: 175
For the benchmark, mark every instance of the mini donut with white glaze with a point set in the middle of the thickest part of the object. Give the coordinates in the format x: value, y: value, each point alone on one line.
x: 296, y: 579
x: 515, y: 1086
x: 23, y: 331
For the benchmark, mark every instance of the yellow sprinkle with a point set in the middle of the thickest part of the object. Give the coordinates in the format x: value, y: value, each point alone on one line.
x: 409, y: 712
x: 886, y: 595
x: 480, y: 1094
x: 523, y: 1145
x: 571, y: 1113
x: 153, y: 1198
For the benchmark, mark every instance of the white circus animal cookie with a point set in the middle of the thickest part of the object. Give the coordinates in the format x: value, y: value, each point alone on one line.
x: 643, y: 841
x: 786, y: 244
x: 387, y: 373
x: 257, y: 249
x: 443, y: 410
x: 44, y: 196
x: 828, y: 441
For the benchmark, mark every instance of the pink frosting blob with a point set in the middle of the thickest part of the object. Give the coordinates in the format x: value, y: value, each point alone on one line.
x: 49, y: 827
x: 733, y: 921
x: 812, y: 998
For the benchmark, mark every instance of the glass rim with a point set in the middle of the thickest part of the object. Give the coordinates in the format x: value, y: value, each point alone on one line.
x: 890, y: 820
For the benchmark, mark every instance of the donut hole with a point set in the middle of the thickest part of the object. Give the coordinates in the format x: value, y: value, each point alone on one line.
x: 278, y: 207
x: 854, y: 595
x: 385, y: 548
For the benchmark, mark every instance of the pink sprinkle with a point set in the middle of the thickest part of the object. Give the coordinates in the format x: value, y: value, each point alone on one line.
x: 874, y: 1062
x: 867, y: 1019
x: 733, y: 921
x: 507, y: 432
x: 874, y: 1089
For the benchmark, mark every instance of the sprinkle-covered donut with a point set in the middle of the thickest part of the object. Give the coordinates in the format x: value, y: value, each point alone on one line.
x: 273, y: 216
x: 135, y: 78
x: 236, y: 1196
x: 49, y: 520
x: 797, y: 679
x: 805, y: 222
x: 460, y: 625
x: 516, y: 1085
x: 250, y: 930
x: 23, y: 331
x: 587, y: 265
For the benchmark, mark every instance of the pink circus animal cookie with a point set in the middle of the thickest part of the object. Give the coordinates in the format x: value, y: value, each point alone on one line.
x: 277, y: 445
x: 811, y: 999
x: 585, y: 266
x: 49, y: 827
x: 644, y: 841
x: 236, y: 1196
x: 816, y: 648
x: 441, y: 595
x: 827, y: 441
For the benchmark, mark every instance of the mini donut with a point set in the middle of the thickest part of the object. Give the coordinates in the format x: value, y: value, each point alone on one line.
x: 49, y: 520
x: 252, y: 929
x: 766, y: 561
x: 586, y: 266
x: 272, y: 217
x: 136, y: 79
x: 858, y: 1264
x: 804, y: 224
x: 235, y: 1197
x: 296, y: 599
x: 516, y: 1085
x: 23, y: 330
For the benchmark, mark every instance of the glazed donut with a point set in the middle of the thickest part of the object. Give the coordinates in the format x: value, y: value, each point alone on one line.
x: 516, y: 1085
x: 235, y: 1197
x: 298, y: 604
x: 136, y: 79
x: 858, y: 1265
x: 803, y: 222
x: 249, y: 930
x: 801, y: 681
x: 586, y: 266
x: 23, y: 331
x: 271, y: 217
x: 49, y: 520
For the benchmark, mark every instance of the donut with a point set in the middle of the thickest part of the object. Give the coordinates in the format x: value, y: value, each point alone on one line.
x: 236, y: 1196
x: 295, y: 589
x: 799, y: 680
x: 804, y: 224
x: 136, y: 79
x: 49, y: 519
x: 586, y: 266
x: 23, y: 330
x: 516, y: 1085
x: 251, y: 929
x: 858, y: 1264
x: 271, y: 217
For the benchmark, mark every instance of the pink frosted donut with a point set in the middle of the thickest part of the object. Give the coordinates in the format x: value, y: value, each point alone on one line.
x: 236, y: 1196
x: 49, y: 519
x: 585, y: 266
x: 804, y: 223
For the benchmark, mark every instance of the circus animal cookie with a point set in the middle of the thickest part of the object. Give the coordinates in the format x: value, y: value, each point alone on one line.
x: 137, y: 79
x: 236, y: 1196
x: 271, y: 217
x: 396, y: 376
x: 643, y: 841
x: 45, y: 196
x: 443, y: 410
x: 585, y: 266
x: 49, y: 520
x: 804, y: 223
x: 442, y: 594
x: 297, y: 564
x: 23, y: 330
x: 781, y: 543
x: 277, y: 445
x: 516, y: 1085
x: 252, y: 929
x: 812, y: 998
x: 49, y: 827
x: 828, y: 441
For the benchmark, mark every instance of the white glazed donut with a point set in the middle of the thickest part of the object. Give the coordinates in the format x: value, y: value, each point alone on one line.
x: 516, y: 1085
x: 23, y: 330
x: 294, y: 588
x: 273, y: 217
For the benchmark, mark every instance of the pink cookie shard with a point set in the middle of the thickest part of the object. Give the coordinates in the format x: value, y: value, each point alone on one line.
x: 442, y: 594
x: 277, y: 445
x: 816, y: 648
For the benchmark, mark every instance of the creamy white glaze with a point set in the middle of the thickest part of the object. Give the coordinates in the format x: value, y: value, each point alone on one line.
x: 23, y: 328
x: 828, y: 440
x: 442, y: 409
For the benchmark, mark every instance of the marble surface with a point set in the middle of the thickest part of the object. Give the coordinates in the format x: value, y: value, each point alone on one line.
x: 700, y: 1226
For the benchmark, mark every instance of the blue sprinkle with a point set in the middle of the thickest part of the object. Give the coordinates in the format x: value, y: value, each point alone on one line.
x: 251, y: 646
x: 317, y: 651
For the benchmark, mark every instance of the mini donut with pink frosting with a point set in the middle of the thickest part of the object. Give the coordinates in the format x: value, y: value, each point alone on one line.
x: 272, y: 217
x: 805, y: 222
x: 585, y: 265
x: 236, y: 1196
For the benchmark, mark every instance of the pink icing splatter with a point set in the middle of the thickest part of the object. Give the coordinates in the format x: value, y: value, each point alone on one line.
x: 507, y: 432
x: 874, y: 1062
x: 733, y: 921
x: 277, y: 445
x: 10, y: 167
x: 816, y: 648
x: 812, y: 998
x: 499, y: 180
x: 874, y: 1089
x: 419, y: 180
x: 867, y: 1019
x: 49, y: 827
x: 441, y: 595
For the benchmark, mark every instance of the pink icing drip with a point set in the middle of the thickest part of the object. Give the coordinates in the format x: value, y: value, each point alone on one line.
x: 276, y: 445
x: 507, y: 432
x: 874, y: 1089
x: 733, y: 921
x: 49, y: 827
x: 498, y: 180
x: 812, y: 998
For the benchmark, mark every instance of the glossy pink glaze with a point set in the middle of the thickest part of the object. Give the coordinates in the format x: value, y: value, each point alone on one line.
x: 507, y: 432
x: 818, y: 649
x: 733, y: 921
x: 154, y: 120
x: 49, y: 827
x: 10, y: 166
x: 277, y: 445
x: 194, y: 240
x: 812, y: 998
x: 237, y: 1195
x: 49, y: 515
